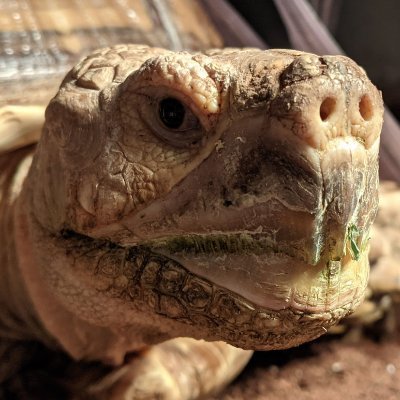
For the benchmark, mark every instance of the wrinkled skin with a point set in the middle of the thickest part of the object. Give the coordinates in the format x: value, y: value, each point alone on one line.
x: 238, y: 225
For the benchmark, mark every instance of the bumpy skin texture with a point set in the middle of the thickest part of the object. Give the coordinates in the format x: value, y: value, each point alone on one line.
x: 239, y: 225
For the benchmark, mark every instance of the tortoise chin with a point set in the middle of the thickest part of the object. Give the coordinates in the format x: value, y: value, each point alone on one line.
x: 280, y: 303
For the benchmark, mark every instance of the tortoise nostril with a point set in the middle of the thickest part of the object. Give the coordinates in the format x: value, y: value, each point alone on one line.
x: 366, y: 108
x: 327, y: 108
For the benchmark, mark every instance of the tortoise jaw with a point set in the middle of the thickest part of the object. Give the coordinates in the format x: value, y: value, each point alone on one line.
x: 206, y: 308
x: 172, y: 290
x: 276, y: 280
x: 137, y: 281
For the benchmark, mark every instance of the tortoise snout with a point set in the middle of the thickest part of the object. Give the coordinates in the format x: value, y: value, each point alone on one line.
x: 323, y: 98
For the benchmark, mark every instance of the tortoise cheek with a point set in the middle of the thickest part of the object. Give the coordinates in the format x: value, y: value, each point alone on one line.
x: 76, y: 127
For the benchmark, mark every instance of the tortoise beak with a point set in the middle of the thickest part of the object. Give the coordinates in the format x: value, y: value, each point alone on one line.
x: 350, y: 195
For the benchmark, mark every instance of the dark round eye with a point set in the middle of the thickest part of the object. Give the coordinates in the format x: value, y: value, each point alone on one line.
x: 171, y: 112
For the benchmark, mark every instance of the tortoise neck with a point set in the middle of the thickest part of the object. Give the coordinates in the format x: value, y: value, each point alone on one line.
x: 79, y: 338
x: 18, y: 320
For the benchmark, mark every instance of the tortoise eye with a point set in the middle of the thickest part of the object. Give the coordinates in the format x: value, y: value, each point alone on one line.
x: 172, y: 113
x: 176, y: 116
x: 171, y: 119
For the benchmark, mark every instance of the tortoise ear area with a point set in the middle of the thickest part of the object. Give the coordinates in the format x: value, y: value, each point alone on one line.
x: 74, y: 127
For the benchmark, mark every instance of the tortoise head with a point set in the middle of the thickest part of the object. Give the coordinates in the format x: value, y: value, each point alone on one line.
x: 225, y: 196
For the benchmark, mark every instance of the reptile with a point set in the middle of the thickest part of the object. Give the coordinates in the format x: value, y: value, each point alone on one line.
x: 181, y: 210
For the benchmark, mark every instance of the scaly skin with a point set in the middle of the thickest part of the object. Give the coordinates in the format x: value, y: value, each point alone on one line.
x: 234, y: 227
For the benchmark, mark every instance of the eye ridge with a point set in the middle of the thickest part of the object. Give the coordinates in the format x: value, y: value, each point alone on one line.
x: 171, y: 112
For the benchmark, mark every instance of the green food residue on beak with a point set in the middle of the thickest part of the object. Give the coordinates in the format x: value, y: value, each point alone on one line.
x: 353, y: 233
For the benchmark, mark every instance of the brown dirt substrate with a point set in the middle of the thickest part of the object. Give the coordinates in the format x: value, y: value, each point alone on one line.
x: 328, y: 369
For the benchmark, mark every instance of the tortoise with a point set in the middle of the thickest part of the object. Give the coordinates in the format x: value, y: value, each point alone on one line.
x: 180, y: 210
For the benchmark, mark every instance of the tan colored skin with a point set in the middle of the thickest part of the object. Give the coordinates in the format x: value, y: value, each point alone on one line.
x: 236, y: 228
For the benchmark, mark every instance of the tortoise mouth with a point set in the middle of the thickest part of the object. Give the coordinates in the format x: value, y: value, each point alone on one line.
x: 262, y: 271
x: 171, y: 290
x: 216, y: 244
x: 208, y: 307
x: 253, y: 294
